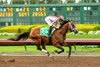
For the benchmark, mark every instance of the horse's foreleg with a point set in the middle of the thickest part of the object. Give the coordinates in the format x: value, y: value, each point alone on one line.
x: 75, y: 48
x: 70, y: 48
x: 59, y: 46
x: 69, y: 51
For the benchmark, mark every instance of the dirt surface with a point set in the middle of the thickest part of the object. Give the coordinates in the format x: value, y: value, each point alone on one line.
x: 44, y: 61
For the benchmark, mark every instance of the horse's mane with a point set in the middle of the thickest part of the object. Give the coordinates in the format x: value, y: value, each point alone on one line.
x: 63, y: 22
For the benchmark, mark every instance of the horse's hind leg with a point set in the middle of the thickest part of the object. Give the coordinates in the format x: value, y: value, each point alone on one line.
x: 59, y: 46
x: 37, y: 42
x: 44, y: 49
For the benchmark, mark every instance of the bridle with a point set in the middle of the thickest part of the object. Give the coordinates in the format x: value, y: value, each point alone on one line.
x: 71, y: 28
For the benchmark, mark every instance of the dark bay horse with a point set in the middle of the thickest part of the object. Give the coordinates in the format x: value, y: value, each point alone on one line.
x: 57, y: 38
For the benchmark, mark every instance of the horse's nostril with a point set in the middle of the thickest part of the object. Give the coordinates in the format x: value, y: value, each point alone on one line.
x: 76, y: 31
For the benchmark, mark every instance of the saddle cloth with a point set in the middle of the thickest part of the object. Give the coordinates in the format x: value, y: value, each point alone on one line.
x: 44, y: 32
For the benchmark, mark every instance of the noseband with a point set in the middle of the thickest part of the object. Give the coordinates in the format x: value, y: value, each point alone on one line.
x: 70, y: 27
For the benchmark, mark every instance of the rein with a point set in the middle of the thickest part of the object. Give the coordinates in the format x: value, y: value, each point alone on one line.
x: 63, y: 23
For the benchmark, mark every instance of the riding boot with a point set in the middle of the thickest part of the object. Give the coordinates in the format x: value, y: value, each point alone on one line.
x: 49, y: 32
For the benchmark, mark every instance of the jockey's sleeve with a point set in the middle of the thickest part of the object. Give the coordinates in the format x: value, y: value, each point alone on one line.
x: 54, y: 23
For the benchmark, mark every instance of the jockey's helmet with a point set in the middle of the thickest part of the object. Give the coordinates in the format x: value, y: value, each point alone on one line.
x: 61, y: 17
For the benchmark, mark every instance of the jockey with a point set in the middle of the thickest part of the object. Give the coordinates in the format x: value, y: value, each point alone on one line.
x: 52, y: 22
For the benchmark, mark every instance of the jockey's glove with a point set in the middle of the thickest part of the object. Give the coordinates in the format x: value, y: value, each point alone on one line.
x: 55, y: 27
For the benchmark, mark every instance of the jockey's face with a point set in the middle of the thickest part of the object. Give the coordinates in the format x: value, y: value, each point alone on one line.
x: 61, y: 20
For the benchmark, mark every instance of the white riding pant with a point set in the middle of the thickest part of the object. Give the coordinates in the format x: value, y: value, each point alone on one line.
x: 48, y: 21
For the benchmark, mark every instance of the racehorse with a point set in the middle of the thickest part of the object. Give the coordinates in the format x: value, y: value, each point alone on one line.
x: 57, y: 37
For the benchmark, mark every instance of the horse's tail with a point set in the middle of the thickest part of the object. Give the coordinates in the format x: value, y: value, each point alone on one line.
x: 23, y: 36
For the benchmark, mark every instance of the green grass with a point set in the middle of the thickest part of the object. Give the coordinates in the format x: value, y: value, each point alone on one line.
x: 33, y: 49
x: 83, y: 36
x: 6, y: 36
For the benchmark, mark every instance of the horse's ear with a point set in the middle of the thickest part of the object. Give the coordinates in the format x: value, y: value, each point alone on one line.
x: 69, y: 20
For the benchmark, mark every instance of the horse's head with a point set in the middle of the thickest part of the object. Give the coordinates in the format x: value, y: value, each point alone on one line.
x: 71, y: 26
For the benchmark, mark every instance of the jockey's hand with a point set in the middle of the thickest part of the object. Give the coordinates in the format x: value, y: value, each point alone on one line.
x: 55, y: 27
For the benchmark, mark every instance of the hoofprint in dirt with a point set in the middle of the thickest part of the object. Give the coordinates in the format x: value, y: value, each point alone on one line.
x: 44, y: 61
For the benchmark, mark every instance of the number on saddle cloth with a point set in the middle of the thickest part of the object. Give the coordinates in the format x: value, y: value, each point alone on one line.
x: 44, y: 32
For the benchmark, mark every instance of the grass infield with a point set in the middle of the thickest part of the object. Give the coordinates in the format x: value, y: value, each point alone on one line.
x: 33, y: 49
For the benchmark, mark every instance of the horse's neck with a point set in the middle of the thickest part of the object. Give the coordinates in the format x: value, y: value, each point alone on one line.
x: 64, y: 29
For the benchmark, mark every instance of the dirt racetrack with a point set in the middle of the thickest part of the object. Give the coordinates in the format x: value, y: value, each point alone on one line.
x: 44, y: 61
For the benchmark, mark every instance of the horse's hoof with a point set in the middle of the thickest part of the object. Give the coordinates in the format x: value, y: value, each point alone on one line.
x: 48, y: 54
x: 68, y: 57
x: 59, y: 52
x: 56, y: 51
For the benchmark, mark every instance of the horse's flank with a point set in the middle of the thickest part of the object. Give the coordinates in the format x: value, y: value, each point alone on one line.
x: 35, y: 34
